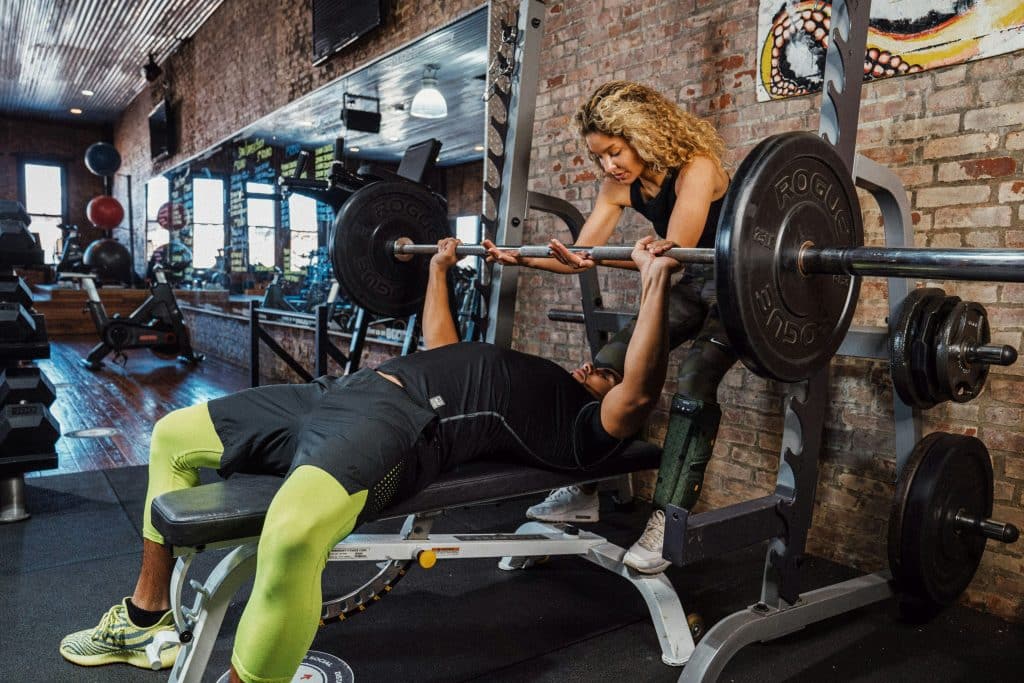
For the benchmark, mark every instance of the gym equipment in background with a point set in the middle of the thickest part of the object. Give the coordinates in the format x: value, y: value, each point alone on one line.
x: 102, y: 159
x: 104, y: 212
x: 109, y: 261
x: 157, y: 324
x: 28, y: 431
x: 71, y: 250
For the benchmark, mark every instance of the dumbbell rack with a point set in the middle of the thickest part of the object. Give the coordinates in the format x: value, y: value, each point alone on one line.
x: 28, y: 431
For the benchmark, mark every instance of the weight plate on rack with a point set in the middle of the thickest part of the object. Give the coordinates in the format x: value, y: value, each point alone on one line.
x: 965, y: 327
x: 901, y: 339
x: 934, y: 311
x: 931, y: 557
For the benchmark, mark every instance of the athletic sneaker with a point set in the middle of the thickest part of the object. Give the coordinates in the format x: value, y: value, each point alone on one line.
x: 567, y: 504
x: 645, y: 555
x: 117, y: 639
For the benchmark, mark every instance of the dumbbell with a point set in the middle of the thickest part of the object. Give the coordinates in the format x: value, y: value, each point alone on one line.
x: 25, y: 385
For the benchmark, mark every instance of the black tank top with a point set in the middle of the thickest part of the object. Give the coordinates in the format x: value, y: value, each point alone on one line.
x: 658, y: 209
x: 497, y: 402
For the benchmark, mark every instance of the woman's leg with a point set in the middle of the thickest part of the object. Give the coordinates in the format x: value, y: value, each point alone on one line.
x: 308, y: 516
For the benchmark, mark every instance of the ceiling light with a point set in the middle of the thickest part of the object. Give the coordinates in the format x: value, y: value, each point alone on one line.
x: 88, y: 93
x: 75, y: 110
x: 429, y: 103
x: 353, y: 149
x: 478, y: 148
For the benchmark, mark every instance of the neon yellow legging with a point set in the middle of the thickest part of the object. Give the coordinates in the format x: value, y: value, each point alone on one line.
x: 308, y: 516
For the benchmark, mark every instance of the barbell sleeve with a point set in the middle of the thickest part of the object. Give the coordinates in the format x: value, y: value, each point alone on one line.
x: 996, y: 265
x: 992, y: 355
x: 1003, y: 532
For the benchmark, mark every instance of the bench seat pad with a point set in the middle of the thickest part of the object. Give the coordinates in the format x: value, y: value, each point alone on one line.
x: 235, y: 508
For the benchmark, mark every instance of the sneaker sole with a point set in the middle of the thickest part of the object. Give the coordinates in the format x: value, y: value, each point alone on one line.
x: 137, y: 659
x: 647, y: 569
x: 564, y: 518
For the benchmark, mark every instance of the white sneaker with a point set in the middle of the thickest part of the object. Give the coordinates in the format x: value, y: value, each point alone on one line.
x: 645, y: 555
x: 567, y: 504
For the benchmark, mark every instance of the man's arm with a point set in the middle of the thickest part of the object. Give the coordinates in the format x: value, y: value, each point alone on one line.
x: 626, y: 407
x: 438, y: 327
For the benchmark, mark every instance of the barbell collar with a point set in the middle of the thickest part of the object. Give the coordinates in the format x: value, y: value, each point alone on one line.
x: 1003, y: 265
x: 402, y: 247
x: 991, y: 355
x: 1004, y: 532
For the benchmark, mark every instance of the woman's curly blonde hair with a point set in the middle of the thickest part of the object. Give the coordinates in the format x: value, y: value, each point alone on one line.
x: 662, y: 133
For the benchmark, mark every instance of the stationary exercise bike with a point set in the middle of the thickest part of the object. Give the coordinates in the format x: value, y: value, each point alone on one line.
x: 71, y: 251
x: 157, y: 324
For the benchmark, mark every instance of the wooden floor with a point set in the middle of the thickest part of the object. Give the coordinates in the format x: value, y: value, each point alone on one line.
x: 127, y: 399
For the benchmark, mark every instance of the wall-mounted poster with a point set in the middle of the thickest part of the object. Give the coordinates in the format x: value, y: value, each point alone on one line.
x: 904, y: 36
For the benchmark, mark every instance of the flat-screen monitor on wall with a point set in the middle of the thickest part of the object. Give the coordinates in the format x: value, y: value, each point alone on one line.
x: 161, y: 131
x: 337, y: 23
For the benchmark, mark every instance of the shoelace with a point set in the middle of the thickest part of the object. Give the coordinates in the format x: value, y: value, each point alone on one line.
x: 561, y: 493
x: 104, y: 632
x: 654, y: 535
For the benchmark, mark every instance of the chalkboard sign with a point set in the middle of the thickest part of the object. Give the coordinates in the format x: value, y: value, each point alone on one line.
x: 253, y: 162
x: 180, y: 193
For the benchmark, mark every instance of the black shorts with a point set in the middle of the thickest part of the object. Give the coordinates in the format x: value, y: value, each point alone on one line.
x: 362, y: 429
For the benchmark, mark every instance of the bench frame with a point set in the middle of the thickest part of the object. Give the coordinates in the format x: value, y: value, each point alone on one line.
x: 198, y: 626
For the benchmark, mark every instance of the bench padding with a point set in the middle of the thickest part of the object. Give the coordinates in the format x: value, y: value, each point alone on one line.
x: 235, y: 508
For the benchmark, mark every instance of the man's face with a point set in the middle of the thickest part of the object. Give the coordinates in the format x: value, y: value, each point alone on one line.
x: 617, y: 157
x: 598, y: 381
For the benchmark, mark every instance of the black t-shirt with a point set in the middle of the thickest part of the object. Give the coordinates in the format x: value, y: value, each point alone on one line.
x: 504, y: 404
x: 658, y: 209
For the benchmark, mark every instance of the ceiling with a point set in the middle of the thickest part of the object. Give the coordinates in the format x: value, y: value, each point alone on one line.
x: 53, y: 49
x: 460, y: 49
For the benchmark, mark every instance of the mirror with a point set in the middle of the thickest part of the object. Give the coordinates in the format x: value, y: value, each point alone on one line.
x: 220, y: 219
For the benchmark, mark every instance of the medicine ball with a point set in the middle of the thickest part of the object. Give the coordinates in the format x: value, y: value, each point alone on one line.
x: 171, y: 216
x: 102, y: 159
x: 105, y: 212
x: 109, y: 260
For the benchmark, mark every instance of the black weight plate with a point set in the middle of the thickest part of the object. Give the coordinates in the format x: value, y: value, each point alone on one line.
x: 902, y: 333
x: 792, y: 189
x: 373, y: 217
x: 965, y: 326
x: 922, y: 349
x: 931, y: 558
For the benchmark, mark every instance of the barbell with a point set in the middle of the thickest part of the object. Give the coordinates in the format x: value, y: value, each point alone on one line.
x: 788, y: 254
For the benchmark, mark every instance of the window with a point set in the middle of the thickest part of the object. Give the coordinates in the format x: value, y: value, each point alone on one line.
x: 302, y: 218
x: 260, y: 213
x: 208, y: 223
x: 44, y: 201
x: 467, y: 229
x: 157, y: 194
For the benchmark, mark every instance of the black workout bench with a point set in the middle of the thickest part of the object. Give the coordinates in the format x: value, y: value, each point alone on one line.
x: 230, y: 513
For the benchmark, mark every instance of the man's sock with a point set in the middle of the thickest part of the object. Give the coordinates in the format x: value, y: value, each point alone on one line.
x: 142, y: 617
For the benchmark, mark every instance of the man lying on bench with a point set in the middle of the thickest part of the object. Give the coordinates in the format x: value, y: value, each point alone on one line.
x: 364, y: 441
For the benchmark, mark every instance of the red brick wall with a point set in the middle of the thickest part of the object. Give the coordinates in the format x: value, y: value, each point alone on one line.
x: 62, y: 142
x: 956, y: 138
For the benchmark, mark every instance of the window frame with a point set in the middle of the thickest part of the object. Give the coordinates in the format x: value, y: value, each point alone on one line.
x: 44, y: 160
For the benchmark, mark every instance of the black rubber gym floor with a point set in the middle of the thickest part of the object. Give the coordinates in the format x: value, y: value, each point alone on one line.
x: 465, y: 620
